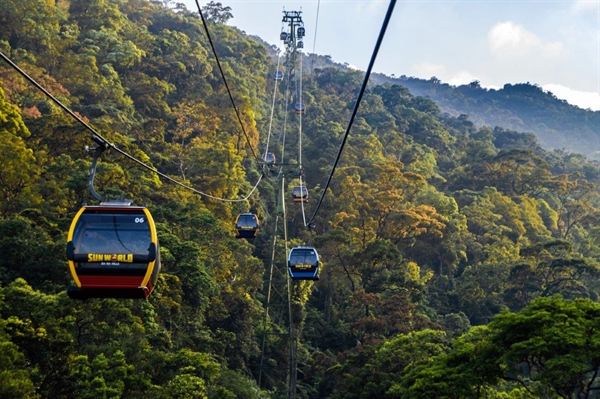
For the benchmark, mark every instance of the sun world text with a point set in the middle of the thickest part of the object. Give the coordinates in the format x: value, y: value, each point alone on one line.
x: 126, y: 258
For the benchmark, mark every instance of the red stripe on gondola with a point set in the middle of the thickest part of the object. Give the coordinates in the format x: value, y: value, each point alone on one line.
x: 110, y: 281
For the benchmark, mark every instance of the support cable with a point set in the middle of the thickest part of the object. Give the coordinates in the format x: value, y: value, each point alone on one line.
x: 314, y: 55
x: 112, y: 145
x: 300, y: 115
x: 286, y: 100
x: 292, y: 380
x: 301, y: 172
x: 272, y: 107
x: 237, y: 113
x: 267, y: 302
x: 363, y: 87
x: 287, y: 75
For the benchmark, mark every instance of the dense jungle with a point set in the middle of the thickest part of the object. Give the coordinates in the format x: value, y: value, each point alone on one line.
x: 459, y: 260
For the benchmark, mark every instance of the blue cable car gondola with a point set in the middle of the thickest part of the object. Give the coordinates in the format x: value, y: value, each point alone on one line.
x: 301, y: 31
x: 278, y: 75
x: 303, y: 263
x: 300, y: 44
x: 283, y: 36
x: 300, y: 194
x: 269, y: 158
x: 299, y: 108
x: 113, y: 252
x: 246, y: 225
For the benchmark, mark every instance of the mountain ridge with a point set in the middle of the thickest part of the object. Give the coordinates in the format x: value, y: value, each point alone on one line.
x: 524, y: 107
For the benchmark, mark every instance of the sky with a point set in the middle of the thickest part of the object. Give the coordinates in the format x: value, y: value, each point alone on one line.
x: 553, y: 44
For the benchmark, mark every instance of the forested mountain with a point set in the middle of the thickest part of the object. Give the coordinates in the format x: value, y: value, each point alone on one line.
x: 523, y: 107
x: 459, y: 261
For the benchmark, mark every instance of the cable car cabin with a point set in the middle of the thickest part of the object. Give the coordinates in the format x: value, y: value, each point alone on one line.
x: 113, y: 252
x: 300, y: 194
x: 300, y: 108
x: 303, y: 263
x: 300, y: 44
x: 283, y: 36
x: 301, y: 32
x: 246, y: 226
x: 269, y: 158
x: 278, y: 75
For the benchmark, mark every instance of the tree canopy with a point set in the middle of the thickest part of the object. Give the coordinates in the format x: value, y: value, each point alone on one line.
x: 458, y: 260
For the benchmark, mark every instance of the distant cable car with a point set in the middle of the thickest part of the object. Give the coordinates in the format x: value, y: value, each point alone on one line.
x: 300, y: 44
x: 303, y: 263
x: 246, y: 225
x: 301, y: 31
x: 269, y: 158
x: 283, y: 36
x: 300, y: 194
x: 278, y: 75
x: 113, y: 252
x: 299, y: 108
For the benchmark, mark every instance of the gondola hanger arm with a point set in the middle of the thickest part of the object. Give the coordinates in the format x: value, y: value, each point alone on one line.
x: 102, y: 145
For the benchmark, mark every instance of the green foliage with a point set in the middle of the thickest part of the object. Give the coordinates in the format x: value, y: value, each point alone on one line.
x: 432, y: 225
x: 216, y: 12
x: 548, y: 348
x: 30, y: 252
x: 374, y: 372
x: 32, y: 24
x: 15, y: 379
x: 19, y: 168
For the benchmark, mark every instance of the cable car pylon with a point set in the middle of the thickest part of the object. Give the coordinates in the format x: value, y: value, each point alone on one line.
x: 277, y: 320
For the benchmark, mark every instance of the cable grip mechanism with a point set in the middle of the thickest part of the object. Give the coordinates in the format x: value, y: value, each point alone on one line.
x: 102, y: 145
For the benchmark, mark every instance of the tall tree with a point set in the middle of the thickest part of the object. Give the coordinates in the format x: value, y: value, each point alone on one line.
x: 217, y: 12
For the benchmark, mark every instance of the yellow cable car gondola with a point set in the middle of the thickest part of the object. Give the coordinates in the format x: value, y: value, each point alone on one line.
x: 246, y: 225
x: 113, y: 252
x: 112, y: 248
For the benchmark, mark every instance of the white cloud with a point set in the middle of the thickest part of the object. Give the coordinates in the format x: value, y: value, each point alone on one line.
x: 509, y: 39
x: 585, y: 5
x: 461, y: 78
x: 582, y: 99
x: 552, y: 50
x: 506, y: 36
x: 427, y: 70
x: 370, y: 6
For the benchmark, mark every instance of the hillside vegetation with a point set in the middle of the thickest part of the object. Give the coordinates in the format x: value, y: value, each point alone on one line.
x: 459, y: 260
x: 523, y: 107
